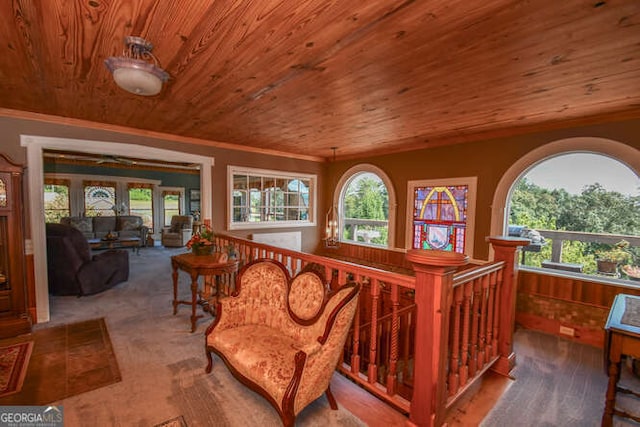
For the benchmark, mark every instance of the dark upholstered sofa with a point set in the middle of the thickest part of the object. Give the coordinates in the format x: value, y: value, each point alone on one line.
x: 97, y: 227
x: 71, y: 268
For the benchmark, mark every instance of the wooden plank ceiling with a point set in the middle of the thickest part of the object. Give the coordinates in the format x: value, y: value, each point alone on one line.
x: 302, y: 76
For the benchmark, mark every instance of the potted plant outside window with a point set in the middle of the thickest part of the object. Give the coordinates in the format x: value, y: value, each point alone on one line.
x: 609, y: 260
x: 632, y: 269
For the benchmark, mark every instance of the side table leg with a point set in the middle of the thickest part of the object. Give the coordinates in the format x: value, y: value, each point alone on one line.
x: 194, y: 300
x: 610, y: 399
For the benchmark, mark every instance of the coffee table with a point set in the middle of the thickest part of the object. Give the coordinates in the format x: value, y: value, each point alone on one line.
x: 122, y: 242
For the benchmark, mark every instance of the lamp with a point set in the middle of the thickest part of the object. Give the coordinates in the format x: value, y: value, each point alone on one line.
x: 137, y: 70
x: 332, y: 231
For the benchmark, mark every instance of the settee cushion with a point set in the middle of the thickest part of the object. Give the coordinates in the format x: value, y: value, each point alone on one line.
x: 268, y: 361
x: 306, y: 295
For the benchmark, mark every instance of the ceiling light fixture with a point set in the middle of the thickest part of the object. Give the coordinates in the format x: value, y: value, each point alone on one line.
x: 137, y: 70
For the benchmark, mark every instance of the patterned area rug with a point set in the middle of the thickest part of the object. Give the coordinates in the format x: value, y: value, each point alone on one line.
x: 67, y: 360
x: 14, y: 360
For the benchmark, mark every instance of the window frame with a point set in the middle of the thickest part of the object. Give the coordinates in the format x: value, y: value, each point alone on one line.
x: 471, y: 182
x: 59, y: 183
x: 270, y: 174
x: 338, y: 200
x: 144, y: 186
x: 180, y: 192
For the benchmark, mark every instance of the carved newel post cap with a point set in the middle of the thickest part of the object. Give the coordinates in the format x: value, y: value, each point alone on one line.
x: 437, y: 258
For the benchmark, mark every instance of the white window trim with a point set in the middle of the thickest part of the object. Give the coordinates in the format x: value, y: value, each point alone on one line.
x: 182, y: 202
x: 606, y: 147
x: 341, y: 188
x: 232, y: 170
x: 470, y: 181
x: 76, y: 187
x: 35, y: 180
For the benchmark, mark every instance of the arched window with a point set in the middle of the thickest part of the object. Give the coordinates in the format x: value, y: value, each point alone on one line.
x: 576, y: 219
x: 366, y: 205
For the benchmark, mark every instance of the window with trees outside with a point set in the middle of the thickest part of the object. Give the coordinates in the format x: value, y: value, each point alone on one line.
x: 442, y: 214
x: 364, y: 209
x: 56, y: 200
x: 581, y: 211
x: 141, y: 202
x: 171, y: 205
x: 99, y: 198
x: 263, y: 198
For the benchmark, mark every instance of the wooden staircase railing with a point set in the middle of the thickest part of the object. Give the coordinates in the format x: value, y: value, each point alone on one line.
x: 418, y: 342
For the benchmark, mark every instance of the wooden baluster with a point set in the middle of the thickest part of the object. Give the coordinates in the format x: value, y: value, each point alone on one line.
x: 407, y: 355
x: 491, y: 350
x: 373, y: 350
x: 496, y: 318
x: 355, y: 355
x: 342, y: 279
x: 392, y: 375
x: 475, y: 320
x: 466, y: 325
x: 482, y: 325
x: 454, y: 362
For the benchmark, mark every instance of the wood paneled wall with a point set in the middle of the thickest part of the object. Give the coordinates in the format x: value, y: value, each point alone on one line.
x: 546, y: 302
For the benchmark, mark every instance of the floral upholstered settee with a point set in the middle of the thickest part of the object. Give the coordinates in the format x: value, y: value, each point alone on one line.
x: 282, y: 338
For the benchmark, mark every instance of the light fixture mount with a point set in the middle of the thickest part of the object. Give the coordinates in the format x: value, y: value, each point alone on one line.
x: 137, y: 70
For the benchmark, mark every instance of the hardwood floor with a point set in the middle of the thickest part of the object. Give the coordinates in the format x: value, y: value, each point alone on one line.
x: 556, y: 382
x: 371, y: 410
x: 468, y: 411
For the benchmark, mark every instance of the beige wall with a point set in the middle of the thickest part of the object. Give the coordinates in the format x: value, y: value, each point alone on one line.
x: 488, y: 160
x: 11, y: 129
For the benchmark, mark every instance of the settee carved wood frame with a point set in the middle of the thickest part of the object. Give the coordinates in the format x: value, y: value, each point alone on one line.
x: 287, y: 413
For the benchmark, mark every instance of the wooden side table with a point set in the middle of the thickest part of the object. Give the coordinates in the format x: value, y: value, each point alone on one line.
x: 622, y: 338
x: 215, y: 265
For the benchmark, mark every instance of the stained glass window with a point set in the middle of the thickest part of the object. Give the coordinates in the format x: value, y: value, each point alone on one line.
x: 99, y: 198
x: 440, y: 217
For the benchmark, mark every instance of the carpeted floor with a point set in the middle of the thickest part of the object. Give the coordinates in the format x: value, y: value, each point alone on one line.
x: 162, y: 363
x: 14, y: 361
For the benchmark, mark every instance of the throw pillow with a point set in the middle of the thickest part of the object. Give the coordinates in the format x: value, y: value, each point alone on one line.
x: 84, y: 224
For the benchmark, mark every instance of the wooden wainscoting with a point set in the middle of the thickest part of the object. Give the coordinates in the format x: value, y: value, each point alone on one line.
x: 547, y: 302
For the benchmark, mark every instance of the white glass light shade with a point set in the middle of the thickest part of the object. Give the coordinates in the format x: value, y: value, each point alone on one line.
x: 138, y: 81
x: 137, y: 70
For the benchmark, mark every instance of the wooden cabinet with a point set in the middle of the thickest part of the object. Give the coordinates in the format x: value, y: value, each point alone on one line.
x: 14, y: 318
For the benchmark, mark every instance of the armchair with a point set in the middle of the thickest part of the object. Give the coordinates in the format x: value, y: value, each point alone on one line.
x: 72, y: 270
x: 179, y: 232
x: 282, y: 338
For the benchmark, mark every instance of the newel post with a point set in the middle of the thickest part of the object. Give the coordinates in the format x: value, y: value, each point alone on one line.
x: 434, y: 283
x: 506, y: 249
